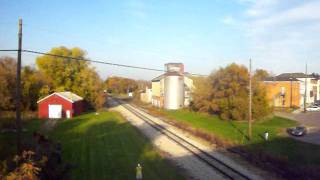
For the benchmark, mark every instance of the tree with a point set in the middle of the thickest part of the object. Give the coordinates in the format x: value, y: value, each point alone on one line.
x: 201, y: 94
x: 120, y: 85
x: 142, y: 84
x: 32, y: 83
x: 66, y: 74
x: 8, y: 83
x: 225, y: 92
x: 261, y: 74
x: 62, y: 72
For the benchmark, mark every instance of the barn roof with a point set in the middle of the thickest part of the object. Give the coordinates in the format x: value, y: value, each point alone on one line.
x: 67, y: 95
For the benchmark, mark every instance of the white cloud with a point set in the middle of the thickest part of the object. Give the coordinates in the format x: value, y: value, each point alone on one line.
x: 283, y: 34
x: 260, y: 7
x: 137, y: 8
x: 228, y: 20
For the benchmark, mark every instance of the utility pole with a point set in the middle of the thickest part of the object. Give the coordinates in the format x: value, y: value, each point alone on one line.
x: 250, y: 103
x: 291, y: 92
x: 18, y: 89
x: 305, y: 91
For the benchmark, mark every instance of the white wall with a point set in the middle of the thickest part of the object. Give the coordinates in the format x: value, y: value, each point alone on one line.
x: 309, y: 100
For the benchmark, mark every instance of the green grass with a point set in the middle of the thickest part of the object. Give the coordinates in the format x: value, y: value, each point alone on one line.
x: 278, y: 145
x: 8, y: 139
x: 105, y: 146
x: 231, y: 130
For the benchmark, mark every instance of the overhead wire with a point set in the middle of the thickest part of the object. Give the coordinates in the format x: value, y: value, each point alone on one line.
x: 90, y: 60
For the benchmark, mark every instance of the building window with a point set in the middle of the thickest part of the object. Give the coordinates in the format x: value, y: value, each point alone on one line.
x: 311, y: 93
x: 314, y: 81
x: 282, y: 91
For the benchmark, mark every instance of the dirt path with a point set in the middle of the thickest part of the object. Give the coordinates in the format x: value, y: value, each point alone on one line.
x: 195, y: 168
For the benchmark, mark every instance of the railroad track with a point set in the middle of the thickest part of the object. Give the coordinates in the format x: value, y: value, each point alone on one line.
x: 224, y: 169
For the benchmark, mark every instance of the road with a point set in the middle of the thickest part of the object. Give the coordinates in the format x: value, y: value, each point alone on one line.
x: 311, y: 120
x: 199, y: 161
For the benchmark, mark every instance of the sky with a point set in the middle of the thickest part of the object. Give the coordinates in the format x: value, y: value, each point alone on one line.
x: 278, y: 35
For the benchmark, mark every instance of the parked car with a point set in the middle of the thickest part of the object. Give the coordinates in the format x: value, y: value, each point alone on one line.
x: 297, y: 131
x: 317, y: 103
x: 313, y: 108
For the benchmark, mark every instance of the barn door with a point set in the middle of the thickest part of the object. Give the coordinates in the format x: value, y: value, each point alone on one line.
x: 55, y: 111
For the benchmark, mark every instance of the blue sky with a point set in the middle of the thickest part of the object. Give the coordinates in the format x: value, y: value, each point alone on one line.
x: 279, y: 35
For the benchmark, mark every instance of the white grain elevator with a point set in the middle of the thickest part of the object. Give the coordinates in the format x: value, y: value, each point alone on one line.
x: 174, y: 86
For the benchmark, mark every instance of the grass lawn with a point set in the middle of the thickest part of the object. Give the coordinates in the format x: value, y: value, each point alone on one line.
x: 8, y: 139
x: 105, y: 146
x: 231, y: 130
x: 279, y: 145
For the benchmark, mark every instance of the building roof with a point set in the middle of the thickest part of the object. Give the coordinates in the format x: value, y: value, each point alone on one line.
x: 67, y: 95
x: 294, y: 75
x: 169, y: 74
x: 158, y: 78
x: 172, y: 63
x: 288, y: 77
x: 276, y: 78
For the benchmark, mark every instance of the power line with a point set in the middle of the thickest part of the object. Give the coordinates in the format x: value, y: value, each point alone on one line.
x: 93, y: 61
x: 8, y: 50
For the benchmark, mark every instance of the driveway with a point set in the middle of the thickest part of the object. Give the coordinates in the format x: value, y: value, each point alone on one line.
x: 311, y: 120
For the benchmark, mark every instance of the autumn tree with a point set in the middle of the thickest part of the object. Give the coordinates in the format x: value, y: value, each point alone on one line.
x: 32, y: 82
x: 142, y: 84
x: 66, y: 74
x: 120, y: 85
x: 225, y: 92
x: 201, y: 94
x: 261, y: 74
x: 7, y: 83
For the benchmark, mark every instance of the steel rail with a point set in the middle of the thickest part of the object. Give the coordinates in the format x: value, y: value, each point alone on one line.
x: 182, y: 142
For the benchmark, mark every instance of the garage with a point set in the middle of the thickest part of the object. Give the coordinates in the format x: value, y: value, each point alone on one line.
x: 60, y: 105
x: 55, y: 111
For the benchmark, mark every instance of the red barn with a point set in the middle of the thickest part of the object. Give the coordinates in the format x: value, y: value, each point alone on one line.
x: 60, y: 105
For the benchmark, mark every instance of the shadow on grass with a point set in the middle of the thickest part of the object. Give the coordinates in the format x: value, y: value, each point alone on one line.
x: 103, y: 147
x: 287, y: 157
x: 8, y: 141
x: 243, y: 134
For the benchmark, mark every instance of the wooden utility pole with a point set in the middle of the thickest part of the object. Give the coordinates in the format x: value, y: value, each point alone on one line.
x: 250, y: 103
x: 305, y: 90
x: 291, y: 92
x: 18, y: 89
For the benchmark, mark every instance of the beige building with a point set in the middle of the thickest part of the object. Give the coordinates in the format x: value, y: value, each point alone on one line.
x: 288, y: 90
x: 146, y: 96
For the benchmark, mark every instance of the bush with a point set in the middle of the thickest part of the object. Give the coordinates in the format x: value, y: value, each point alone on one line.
x: 23, y: 167
x: 42, y: 160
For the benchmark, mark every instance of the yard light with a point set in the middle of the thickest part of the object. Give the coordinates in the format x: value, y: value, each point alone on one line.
x: 138, y: 172
x: 266, y: 135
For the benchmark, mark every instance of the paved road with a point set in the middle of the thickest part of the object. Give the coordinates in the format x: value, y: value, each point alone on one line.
x: 194, y: 167
x: 311, y: 120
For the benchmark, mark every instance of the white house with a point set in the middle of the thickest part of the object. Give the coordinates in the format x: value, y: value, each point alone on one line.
x: 312, y: 83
